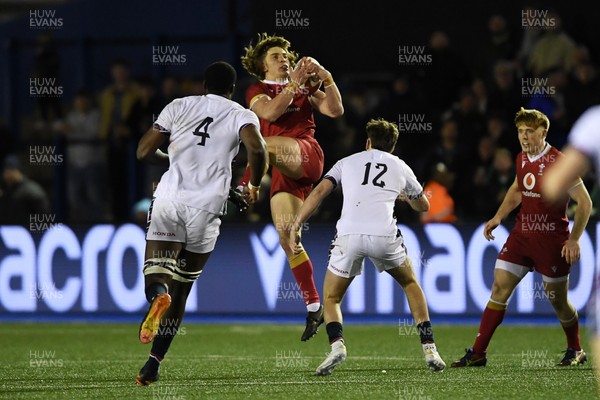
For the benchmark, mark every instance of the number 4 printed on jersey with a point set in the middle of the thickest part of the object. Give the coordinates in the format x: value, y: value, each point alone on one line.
x: 204, y: 124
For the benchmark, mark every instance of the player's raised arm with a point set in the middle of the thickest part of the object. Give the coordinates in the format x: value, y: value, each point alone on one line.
x: 311, y: 203
x: 329, y: 101
x: 579, y: 194
x: 257, y: 158
x: 148, y: 147
x: 510, y: 202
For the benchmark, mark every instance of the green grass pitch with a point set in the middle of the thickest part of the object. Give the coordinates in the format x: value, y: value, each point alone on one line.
x: 100, y: 361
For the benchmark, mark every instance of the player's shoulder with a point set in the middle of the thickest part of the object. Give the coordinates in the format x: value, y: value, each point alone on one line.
x: 554, y: 151
x: 257, y: 87
x: 184, y: 102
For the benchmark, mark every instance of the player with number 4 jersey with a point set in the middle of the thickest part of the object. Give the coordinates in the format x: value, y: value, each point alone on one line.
x: 204, y: 134
x: 371, y: 182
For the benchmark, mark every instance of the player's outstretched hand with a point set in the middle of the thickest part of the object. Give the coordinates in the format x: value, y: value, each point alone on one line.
x: 313, y: 66
x: 489, y: 227
x: 302, y: 72
x: 250, y: 196
x: 570, y: 251
x: 236, y: 197
x: 295, y: 239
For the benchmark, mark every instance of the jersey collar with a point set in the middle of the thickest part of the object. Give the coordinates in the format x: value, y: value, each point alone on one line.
x: 542, y: 154
x: 275, y: 82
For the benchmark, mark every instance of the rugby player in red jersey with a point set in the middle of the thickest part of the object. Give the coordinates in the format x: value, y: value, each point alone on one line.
x: 540, y: 241
x: 284, y: 100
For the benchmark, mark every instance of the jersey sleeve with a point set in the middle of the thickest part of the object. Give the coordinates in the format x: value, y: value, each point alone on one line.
x: 585, y: 135
x: 413, y: 188
x: 246, y: 117
x: 254, y: 93
x: 165, y: 121
x: 334, y: 175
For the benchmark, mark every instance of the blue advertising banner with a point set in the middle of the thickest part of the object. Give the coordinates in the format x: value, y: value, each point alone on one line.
x: 95, y: 270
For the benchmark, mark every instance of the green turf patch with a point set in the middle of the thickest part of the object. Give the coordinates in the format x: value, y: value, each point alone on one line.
x: 100, y: 361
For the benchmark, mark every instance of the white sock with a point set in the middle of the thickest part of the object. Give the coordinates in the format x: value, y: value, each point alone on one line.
x: 313, y: 307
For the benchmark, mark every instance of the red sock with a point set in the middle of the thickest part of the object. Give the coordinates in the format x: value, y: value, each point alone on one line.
x: 491, y: 318
x: 303, y: 272
x: 572, y: 331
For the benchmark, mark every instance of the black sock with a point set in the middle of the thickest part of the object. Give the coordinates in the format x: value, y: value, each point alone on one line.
x: 153, y: 361
x: 153, y: 289
x: 163, y: 340
x: 334, y: 331
x: 425, y: 332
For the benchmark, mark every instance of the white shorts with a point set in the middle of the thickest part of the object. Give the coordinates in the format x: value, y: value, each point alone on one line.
x: 348, y: 252
x: 175, y: 222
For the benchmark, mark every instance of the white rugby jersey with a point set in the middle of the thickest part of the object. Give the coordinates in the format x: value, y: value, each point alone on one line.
x: 585, y: 136
x: 371, y: 181
x: 203, y: 140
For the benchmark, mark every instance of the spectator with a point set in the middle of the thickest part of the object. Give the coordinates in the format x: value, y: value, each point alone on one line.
x: 21, y: 198
x: 500, y: 45
x: 502, y: 137
x: 550, y: 100
x: 582, y: 92
x: 505, y: 93
x: 471, y: 124
x: 86, y: 184
x: 554, y: 49
x: 500, y: 178
x: 479, y: 91
x: 437, y: 190
x: 116, y: 104
x: 47, y: 65
x: 144, y: 112
x: 170, y: 90
x: 447, y: 150
x: 447, y: 73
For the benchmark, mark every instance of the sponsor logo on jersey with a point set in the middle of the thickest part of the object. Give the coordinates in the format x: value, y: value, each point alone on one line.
x: 167, y: 234
x: 529, y: 181
x: 527, y: 193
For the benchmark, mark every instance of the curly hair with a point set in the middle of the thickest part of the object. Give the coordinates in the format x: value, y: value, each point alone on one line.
x: 533, y: 118
x: 383, y: 134
x: 254, y: 58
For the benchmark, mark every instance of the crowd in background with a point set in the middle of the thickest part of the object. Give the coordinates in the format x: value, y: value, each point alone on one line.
x: 462, y: 144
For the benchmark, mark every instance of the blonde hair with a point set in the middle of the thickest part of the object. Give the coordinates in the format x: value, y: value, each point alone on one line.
x: 533, y: 118
x: 254, y: 58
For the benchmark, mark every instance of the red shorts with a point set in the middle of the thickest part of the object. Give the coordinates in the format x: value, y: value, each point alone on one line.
x: 312, y: 169
x: 540, y: 253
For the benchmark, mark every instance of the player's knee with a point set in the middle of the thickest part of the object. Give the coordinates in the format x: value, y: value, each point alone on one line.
x: 501, y: 292
x: 333, y: 298
x: 558, y: 302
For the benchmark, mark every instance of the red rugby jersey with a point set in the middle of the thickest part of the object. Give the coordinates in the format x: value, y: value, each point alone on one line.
x: 536, y: 216
x: 297, y: 121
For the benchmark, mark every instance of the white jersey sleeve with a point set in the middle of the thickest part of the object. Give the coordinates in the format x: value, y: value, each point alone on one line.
x: 585, y: 136
x: 412, y: 188
x: 334, y: 175
x: 167, y: 116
